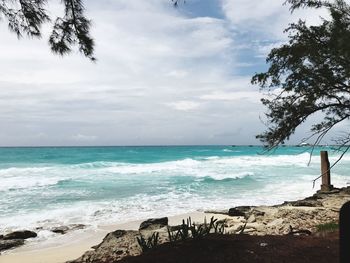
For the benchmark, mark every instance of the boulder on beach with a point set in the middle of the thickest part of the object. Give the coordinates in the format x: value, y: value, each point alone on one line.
x: 60, y: 229
x: 154, y: 223
x: 64, y: 229
x: 239, y: 211
x: 23, y: 234
x: 7, y: 244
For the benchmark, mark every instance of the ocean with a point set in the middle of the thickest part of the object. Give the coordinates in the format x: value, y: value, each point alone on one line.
x: 53, y: 186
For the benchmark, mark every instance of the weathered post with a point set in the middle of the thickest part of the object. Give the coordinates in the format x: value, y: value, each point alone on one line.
x: 326, y: 173
x: 344, y: 233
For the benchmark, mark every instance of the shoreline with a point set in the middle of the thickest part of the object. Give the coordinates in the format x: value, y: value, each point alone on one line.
x: 282, y: 219
x: 72, y: 245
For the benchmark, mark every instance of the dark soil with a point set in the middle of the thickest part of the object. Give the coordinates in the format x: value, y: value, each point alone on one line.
x: 246, y: 249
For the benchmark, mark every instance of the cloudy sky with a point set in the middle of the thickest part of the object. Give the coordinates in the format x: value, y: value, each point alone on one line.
x: 164, y: 76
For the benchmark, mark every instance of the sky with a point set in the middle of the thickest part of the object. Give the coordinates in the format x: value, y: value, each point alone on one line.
x: 164, y: 75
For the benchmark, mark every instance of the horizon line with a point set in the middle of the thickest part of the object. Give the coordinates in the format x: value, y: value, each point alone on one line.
x: 151, y: 145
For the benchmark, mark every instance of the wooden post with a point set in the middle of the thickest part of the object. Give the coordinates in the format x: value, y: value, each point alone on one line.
x: 344, y: 233
x: 326, y: 173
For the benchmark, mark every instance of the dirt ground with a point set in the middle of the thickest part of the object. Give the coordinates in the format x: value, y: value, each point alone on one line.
x: 246, y: 249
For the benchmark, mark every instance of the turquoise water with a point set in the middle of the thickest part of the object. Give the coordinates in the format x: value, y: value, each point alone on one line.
x: 102, y: 185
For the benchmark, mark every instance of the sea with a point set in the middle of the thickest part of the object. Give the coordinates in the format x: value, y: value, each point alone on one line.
x: 53, y: 186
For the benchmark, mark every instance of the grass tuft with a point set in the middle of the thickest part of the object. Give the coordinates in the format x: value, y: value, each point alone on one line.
x: 330, y: 226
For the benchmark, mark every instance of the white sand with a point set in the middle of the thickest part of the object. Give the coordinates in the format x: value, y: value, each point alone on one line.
x: 72, y: 245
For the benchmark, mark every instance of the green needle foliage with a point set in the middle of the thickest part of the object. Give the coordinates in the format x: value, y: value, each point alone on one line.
x: 72, y: 29
x: 26, y: 17
x: 310, y: 74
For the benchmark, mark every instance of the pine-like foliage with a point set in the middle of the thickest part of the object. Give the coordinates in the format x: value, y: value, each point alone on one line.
x: 309, y: 74
x: 26, y: 17
x: 72, y: 29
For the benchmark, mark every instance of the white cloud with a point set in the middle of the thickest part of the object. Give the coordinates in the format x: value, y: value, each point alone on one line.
x: 177, y: 73
x: 184, y: 105
x: 253, y: 96
x: 84, y: 138
x: 269, y: 17
x: 148, y: 53
x: 161, y: 78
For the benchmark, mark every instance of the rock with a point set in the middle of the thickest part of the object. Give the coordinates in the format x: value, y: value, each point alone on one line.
x: 239, y: 211
x: 115, y: 245
x: 220, y: 212
x: 345, y: 190
x: 76, y: 226
x: 24, y: 234
x: 64, y: 229
x: 256, y: 212
x: 323, y: 193
x: 154, y: 223
x: 7, y: 244
x: 60, y: 229
x: 113, y: 235
x: 251, y: 219
x: 239, y: 228
x: 276, y: 222
x: 308, y: 203
x: 299, y: 232
x: 249, y: 230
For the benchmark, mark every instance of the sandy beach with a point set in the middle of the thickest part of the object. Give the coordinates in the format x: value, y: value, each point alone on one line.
x: 72, y: 245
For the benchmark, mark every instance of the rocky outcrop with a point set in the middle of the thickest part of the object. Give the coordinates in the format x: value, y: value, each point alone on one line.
x: 154, y: 223
x: 240, y: 211
x: 15, y: 239
x: 115, y: 245
x: 24, y: 234
x: 122, y: 243
x: 293, y: 217
x: 8, y: 244
x: 290, y: 218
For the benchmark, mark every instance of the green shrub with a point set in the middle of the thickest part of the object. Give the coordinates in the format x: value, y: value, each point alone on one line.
x: 330, y: 226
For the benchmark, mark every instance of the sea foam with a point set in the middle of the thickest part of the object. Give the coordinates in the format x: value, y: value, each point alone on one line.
x: 175, y: 180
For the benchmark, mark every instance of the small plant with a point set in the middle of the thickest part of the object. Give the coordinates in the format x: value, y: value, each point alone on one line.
x: 150, y: 242
x: 198, y: 231
x: 219, y: 227
x: 184, y: 232
x: 173, y: 235
x: 189, y: 229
